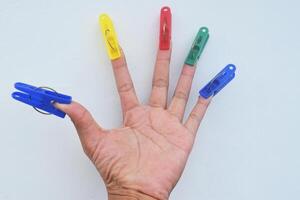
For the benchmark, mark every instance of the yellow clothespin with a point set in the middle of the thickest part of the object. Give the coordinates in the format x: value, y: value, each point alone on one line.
x: 110, y: 37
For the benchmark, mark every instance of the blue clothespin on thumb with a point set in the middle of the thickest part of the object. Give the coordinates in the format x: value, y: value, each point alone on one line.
x: 41, y: 98
x: 218, y: 82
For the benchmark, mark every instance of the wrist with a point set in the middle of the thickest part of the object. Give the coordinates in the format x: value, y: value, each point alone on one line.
x: 128, y: 194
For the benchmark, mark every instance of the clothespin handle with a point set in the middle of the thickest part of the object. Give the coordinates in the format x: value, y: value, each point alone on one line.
x: 36, y: 92
x: 165, y: 28
x: 40, y: 98
x: 218, y: 82
x: 110, y: 37
x: 197, y: 47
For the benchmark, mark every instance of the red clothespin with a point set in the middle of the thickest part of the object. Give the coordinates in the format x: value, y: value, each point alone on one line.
x: 165, y: 28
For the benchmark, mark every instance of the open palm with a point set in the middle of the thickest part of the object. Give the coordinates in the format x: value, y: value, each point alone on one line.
x: 147, y: 155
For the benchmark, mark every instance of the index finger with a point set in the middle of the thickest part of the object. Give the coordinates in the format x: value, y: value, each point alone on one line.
x: 124, y: 84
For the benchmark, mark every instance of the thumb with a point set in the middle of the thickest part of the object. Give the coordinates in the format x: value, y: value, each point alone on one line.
x: 86, y: 126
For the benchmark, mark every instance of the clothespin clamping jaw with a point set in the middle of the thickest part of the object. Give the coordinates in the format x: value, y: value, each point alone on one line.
x: 110, y: 37
x: 218, y: 82
x: 41, y: 98
x: 165, y: 28
x: 197, y: 47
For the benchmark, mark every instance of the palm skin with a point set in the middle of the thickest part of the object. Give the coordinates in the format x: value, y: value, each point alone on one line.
x: 148, y: 154
x: 145, y: 158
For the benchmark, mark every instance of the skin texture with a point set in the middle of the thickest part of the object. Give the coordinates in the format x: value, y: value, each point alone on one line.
x: 145, y: 158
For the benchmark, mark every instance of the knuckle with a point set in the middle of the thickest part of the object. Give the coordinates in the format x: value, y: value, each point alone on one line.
x: 82, y: 122
x: 160, y: 82
x: 81, y: 117
x: 188, y: 72
x: 155, y: 104
x: 176, y: 115
x: 195, y: 117
x: 204, y: 103
x: 126, y: 87
x: 181, y: 95
x: 163, y: 60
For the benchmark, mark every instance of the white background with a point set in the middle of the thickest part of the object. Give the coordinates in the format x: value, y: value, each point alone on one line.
x: 248, y: 145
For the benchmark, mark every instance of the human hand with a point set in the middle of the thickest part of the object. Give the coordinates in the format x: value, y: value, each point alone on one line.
x: 145, y: 158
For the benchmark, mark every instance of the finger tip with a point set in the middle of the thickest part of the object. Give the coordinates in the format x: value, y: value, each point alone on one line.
x: 205, y: 100
x: 64, y: 107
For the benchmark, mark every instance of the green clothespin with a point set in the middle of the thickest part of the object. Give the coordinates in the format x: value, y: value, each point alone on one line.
x: 198, y: 46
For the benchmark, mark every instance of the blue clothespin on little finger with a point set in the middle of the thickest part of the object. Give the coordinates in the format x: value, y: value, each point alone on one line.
x: 218, y: 82
x: 41, y: 98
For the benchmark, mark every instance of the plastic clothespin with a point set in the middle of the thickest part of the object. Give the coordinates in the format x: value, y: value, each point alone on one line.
x: 165, y: 28
x: 218, y: 82
x: 197, y: 47
x: 40, y: 98
x: 110, y: 37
